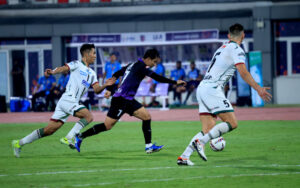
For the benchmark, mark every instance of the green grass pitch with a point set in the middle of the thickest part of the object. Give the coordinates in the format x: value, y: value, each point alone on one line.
x: 257, y: 154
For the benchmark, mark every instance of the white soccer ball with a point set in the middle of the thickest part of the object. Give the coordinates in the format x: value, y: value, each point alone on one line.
x: 217, y: 144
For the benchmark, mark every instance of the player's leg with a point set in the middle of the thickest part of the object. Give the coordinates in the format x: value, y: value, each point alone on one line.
x: 52, y: 127
x: 216, y: 100
x: 96, y: 129
x: 114, y: 114
x: 85, y: 116
x: 142, y: 114
x: 229, y: 122
x: 208, y: 121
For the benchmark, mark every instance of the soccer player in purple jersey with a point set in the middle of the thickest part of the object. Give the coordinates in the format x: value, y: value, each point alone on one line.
x: 123, y: 99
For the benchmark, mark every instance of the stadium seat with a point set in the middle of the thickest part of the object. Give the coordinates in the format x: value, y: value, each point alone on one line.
x: 108, y: 1
x: 3, y: 2
x: 63, y: 1
x: 84, y: 1
x: 161, y: 91
x: 143, y: 90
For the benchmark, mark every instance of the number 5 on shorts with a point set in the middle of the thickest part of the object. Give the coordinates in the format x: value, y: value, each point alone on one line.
x: 226, y: 103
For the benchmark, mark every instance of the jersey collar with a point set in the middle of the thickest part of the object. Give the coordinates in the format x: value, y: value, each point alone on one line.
x: 141, y: 60
x: 84, y: 63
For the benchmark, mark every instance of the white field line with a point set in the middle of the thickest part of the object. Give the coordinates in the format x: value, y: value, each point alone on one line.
x: 137, y: 169
x: 189, y: 178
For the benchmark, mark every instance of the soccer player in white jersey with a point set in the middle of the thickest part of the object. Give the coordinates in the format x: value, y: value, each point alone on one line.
x: 81, y: 78
x: 211, y: 97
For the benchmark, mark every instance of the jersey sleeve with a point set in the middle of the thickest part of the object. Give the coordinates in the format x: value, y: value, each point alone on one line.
x: 162, y: 79
x: 94, y: 79
x: 72, y: 65
x: 120, y: 72
x: 238, y: 55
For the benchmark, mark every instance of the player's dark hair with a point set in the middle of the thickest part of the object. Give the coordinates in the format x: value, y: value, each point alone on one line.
x: 236, y: 29
x: 151, y: 53
x: 86, y: 47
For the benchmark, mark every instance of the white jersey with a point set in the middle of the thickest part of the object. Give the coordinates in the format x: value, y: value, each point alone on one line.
x: 81, y: 78
x: 222, y: 66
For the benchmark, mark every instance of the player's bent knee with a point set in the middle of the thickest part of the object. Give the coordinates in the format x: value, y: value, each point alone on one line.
x: 108, y: 127
x: 90, y: 118
x: 147, y: 117
x: 234, y: 125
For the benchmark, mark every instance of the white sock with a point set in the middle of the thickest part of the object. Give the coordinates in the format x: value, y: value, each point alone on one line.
x: 216, y: 131
x: 190, y: 149
x: 75, y: 130
x: 148, y: 145
x: 30, y: 138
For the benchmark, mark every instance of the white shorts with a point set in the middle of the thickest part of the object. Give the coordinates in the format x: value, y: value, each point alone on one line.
x: 212, y: 100
x: 65, y: 107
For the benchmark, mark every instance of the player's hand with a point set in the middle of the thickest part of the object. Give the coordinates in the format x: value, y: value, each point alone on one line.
x: 264, y: 94
x: 110, y: 81
x: 48, y: 72
x: 181, y: 82
x: 107, y: 94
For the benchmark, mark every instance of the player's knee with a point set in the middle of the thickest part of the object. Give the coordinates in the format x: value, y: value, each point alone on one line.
x: 108, y: 127
x: 147, y: 117
x: 234, y: 124
x: 90, y: 118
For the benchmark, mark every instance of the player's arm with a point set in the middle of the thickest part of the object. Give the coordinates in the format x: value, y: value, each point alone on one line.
x: 262, y: 91
x: 162, y: 79
x: 120, y: 72
x: 98, y: 89
x: 116, y: 76
x: 62, y: 69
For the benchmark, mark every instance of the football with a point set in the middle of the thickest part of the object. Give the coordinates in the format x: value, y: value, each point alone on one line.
x: 217, y: 144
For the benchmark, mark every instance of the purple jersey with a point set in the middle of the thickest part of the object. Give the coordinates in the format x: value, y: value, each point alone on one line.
x: 133, y: 74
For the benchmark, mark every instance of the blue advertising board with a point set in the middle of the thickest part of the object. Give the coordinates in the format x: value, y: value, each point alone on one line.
x: 255, y: 63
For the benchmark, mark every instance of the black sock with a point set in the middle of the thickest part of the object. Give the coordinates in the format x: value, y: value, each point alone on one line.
x: 147, y: 131
x: 96, y: 129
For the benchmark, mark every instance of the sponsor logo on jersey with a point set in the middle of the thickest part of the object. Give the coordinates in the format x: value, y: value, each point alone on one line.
x: 83, y: 73
x: 241, y: 54
x: 207, y: 77
x: 85, y: 83
x: 223, y: 46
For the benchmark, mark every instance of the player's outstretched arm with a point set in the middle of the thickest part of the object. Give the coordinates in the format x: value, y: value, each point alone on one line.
x: 262, y: 91
x: 163, y: 79
x: 181, y: 82
x: 57, y: 70
x: 98, y: 89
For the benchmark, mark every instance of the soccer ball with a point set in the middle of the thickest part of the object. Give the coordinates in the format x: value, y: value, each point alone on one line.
x: 217, y: 144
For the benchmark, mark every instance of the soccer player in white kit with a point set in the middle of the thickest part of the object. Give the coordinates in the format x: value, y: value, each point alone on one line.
x: 211, y: 97
x: 81, y: 78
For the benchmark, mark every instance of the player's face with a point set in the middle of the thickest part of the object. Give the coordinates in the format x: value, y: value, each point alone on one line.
x: 152, y: 62
x: 91, y: 56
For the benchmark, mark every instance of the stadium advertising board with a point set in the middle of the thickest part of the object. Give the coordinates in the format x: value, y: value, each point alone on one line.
x: 147, y: 38
x: 255, y: 62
